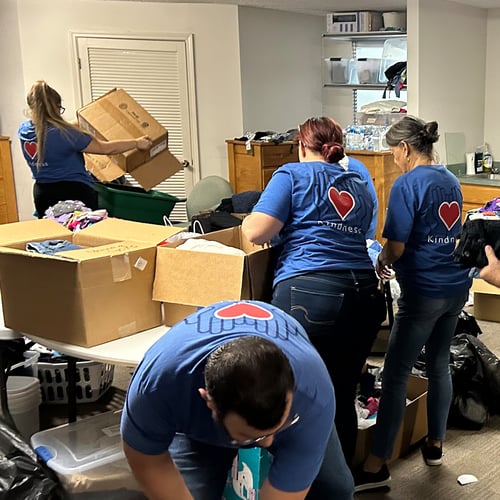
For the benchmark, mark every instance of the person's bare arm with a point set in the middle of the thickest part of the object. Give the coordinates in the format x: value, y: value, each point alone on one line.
x: 157, y: 474
x: 391, y: 252
x: 96, y: 146
x: 268, y: 492
x: 259, y: 228
x: 491, y: 272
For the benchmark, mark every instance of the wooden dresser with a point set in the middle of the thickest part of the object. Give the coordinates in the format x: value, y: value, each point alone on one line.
x: 383, y: 171
x: 8, y: 202
x: 250, y: 170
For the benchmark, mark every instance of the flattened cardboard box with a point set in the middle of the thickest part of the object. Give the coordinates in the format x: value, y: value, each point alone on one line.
x: 187, y: 279
x: 412, y: 430
x: 116, y: 115
x: 84, y: 297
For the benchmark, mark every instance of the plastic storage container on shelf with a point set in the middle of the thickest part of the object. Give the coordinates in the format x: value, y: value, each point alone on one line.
x: 87, y: 457
x: 134, y: 203
x: 394, y: 50
x: 338, y: 69
x: 366, y: 70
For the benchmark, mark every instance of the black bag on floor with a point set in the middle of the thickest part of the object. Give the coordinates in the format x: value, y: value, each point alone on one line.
x: 22, y: 475
x: 475, y: 372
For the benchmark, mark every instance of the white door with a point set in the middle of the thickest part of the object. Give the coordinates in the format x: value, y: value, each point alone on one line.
x: 159, y: 75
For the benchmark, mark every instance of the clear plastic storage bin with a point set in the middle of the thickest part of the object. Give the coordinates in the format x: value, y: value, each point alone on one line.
x: 87, y: 457
x: 367, y: 70
x: 338, y: 69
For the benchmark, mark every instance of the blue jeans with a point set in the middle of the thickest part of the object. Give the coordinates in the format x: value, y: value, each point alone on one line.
x: 420, y: 321
x: 341, y: 312
x: 204, y: 469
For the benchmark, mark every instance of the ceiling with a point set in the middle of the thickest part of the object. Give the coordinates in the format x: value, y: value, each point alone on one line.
x: 321, y: 7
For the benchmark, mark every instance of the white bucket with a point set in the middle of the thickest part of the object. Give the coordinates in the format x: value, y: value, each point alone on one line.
x: 395, y: 20
x: 24, y: 398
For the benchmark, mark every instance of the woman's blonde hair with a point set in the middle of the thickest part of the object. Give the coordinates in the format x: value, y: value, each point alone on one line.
x: 45, y: 106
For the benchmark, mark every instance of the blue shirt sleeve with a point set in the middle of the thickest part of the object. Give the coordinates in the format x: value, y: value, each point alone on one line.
x: 276, y: 198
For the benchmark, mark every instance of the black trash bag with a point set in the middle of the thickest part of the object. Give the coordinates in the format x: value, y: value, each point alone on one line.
x: 467, y: 323
x: 475, y: 372
x: 213, y: 221
x: 22, y: 475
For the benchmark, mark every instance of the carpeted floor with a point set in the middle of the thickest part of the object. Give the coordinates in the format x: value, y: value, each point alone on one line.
x: 465, y: 452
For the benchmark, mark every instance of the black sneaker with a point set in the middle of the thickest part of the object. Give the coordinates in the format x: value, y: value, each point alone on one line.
x: 371, y: 480
x: 433, y: 455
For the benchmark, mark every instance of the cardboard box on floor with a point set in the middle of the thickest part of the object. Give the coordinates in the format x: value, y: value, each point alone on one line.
x: 116, y: 115
x: 85, y: 297
x: 486, y: 301
x: 186, y: 280
x: 413, y: 427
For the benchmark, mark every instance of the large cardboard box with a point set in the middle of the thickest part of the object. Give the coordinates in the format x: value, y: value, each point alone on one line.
x: 116, y: 115
x: 86, y: 297
x: 486, y: 301
x: 413, y: 427
x: 250, y: 469
x: 187, y: 279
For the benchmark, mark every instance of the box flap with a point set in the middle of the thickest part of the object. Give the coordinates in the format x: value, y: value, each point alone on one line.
x: 112, y: 229
x: 32, y: 230
x: 159, y: 168
x: 102, y: 167
x: 106, y: 250
x: 148, y: 175
x: 197, y: 278
x: 481, y: 286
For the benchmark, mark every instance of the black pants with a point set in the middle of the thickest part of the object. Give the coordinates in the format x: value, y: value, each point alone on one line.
x: 48, y: 194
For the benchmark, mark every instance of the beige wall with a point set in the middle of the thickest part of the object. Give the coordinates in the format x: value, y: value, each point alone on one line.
x: 280, y: 68
x: 492, y: 80
x: 447, y: 67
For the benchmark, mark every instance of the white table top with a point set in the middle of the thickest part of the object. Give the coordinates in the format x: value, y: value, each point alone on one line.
x: 127, y: 351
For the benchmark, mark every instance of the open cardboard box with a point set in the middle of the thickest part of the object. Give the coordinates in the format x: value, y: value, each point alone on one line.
x: 186, y: 280
x: 412, y: 430
x: 486, y: 301
x: 85, y: 297
x: 116, y: 115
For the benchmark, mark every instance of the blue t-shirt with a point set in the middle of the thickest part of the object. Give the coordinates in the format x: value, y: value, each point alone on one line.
x: 63, y: 159
x: 355, y: 165
x: 163, y: 397
x: 326, y: 212
x: 424, y: 212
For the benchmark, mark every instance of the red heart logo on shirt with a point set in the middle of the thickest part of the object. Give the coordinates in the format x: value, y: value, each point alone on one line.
x: 342, y: 201
x: 31, y: 149
x: 241, y: 309
x: 449, y: 213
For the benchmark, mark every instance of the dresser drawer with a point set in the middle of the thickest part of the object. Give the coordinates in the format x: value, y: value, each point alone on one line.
x: 276, y: 155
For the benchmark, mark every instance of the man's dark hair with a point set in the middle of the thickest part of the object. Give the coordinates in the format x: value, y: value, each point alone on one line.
x: 251, y: 377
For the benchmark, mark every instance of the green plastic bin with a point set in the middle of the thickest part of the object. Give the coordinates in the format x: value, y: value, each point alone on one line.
x: 134, y: 203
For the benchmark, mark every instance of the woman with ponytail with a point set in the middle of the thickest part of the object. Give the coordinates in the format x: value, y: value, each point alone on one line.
x: 317, y: 215
x: 53, y: 149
